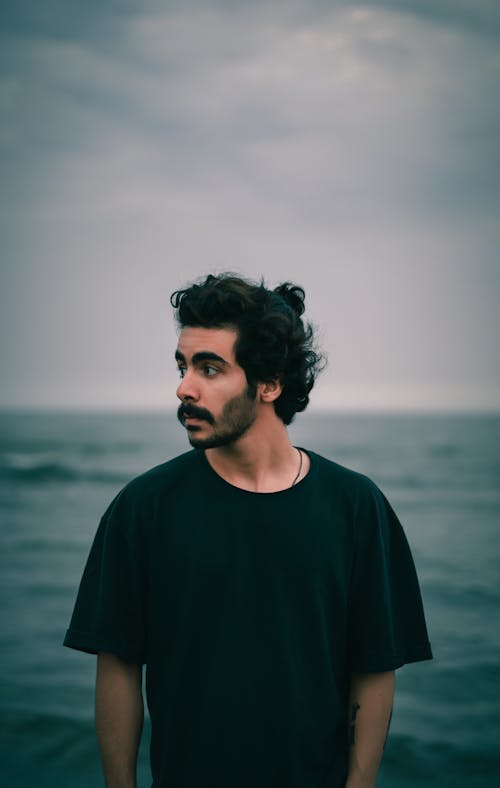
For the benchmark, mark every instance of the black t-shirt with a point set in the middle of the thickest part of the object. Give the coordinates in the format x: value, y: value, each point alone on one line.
x: 250, y: 611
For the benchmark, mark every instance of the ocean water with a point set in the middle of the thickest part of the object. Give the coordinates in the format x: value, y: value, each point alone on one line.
x: 58, y: 472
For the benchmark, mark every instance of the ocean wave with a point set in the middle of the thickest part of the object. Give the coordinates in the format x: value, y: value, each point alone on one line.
x: 437, y: 763
x: 61, y: 751
x: 464, y: 595
x: 445, y: 450
x: 52, y: 751
x: 90, y: 448
x: 42, y: 470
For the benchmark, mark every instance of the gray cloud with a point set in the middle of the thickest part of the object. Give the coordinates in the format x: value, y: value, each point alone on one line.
x: 470, y: 16
x: 143, y: 145
x: 64, y: 20
x: 362, y: 93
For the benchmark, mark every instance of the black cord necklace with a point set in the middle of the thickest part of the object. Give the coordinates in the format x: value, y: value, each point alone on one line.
x: 300, y: 468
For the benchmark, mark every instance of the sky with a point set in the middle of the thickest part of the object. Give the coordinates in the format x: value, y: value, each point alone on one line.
x: 351, y: 148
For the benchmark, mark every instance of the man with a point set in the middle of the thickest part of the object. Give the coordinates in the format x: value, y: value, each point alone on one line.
x: 270, y: 592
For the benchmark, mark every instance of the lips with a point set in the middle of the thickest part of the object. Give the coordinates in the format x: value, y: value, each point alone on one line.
x: 188, y: 416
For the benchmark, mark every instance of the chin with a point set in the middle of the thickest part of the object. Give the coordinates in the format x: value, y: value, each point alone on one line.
x: 205, y: 443
x: 197, y: 441
x: 211, y: 441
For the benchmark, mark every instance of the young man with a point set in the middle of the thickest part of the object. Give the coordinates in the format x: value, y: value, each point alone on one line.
x: 270, y: 592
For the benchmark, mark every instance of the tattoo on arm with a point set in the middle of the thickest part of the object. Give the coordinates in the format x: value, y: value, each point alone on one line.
x: 352, y: 725
x: 388, y: 726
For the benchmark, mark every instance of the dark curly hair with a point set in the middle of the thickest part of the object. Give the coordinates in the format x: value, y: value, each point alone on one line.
x: 273, y: 341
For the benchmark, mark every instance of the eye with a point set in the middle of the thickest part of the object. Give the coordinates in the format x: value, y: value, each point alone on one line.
x: 181, y: 371
x: 209, y: 370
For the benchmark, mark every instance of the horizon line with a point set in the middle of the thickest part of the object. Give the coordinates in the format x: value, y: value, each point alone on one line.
x: 144, y: 410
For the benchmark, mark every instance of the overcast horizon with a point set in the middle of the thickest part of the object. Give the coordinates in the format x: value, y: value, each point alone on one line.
x: 351, y: 148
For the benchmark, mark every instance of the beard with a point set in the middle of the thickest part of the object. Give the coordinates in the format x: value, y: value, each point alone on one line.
x: 238, y: 415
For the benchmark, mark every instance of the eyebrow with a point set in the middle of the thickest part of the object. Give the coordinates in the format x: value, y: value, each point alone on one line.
x: 202, y: 355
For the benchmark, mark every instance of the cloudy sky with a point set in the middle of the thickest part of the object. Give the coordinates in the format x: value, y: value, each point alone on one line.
x: 353, y: 148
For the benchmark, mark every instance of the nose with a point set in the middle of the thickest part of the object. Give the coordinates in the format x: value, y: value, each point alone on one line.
x: 187, y: 390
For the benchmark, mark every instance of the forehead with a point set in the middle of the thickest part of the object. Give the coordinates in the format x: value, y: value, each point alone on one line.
x: 219, y: 341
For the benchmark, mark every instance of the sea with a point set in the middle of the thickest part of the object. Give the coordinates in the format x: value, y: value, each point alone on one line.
x: 59, y: 471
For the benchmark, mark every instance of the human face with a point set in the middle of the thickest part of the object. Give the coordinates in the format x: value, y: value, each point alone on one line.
x: 218, y: 405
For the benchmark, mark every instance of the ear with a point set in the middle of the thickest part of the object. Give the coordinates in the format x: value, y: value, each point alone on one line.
x: 270, y: 391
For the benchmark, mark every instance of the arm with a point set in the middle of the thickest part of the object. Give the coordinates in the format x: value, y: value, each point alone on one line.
x: 370, y: 709
x: 119, y: 715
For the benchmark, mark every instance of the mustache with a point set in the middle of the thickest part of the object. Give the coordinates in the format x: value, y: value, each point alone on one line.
x: 191, y: 411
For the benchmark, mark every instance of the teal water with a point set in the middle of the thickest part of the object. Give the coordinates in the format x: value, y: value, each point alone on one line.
x: 441, y: 473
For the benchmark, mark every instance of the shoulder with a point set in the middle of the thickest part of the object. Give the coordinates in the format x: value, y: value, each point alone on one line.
x: 338, y: 477
x: 373, y: 518
x: 144, y: 491
x: 353, y: 493
x: 167, y: 473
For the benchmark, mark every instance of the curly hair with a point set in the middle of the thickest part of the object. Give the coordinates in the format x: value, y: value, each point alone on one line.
x: 273, y: 341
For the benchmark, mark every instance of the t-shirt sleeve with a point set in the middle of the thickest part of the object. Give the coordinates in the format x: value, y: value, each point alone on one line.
x: 109, y: 613
x: 387, y: 626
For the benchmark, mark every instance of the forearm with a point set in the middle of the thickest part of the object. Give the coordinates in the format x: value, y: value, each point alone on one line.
x: 119, y: 715
x: 370, y: 709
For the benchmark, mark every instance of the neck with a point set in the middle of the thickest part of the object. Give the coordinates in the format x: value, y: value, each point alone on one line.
x: 262, y: 460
